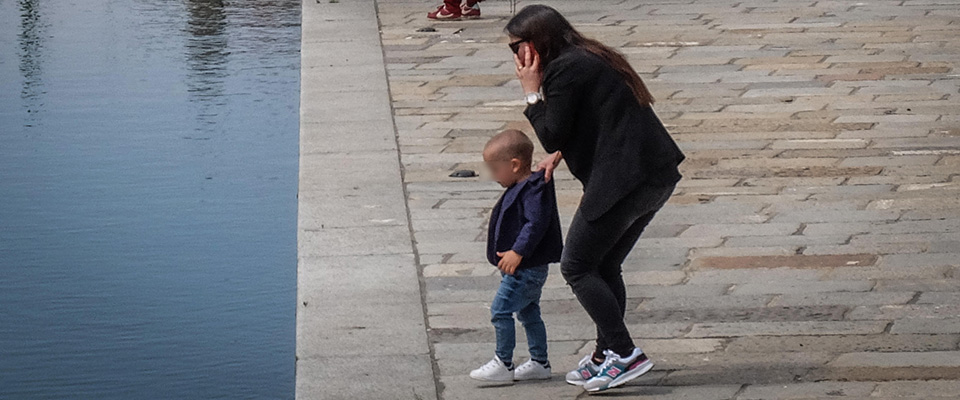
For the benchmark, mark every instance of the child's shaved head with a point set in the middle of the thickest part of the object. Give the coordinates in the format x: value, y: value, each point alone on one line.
x: 508, y: 145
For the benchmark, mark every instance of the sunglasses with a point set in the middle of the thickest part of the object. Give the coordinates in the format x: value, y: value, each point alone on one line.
x: 515, y: 46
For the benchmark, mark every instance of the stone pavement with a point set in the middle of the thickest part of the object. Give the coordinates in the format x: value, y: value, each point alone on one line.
x: 812, y: 250
x: 360, y: 312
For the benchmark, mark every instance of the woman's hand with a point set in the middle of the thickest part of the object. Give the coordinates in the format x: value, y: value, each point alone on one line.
x: 528, y: 69
x: 549, y: 164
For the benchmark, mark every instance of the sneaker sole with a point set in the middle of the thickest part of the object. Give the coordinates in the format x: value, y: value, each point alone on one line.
x: 626, y: 377
x: 576, y: 383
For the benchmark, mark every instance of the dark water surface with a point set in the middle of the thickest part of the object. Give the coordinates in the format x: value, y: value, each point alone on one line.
x: 148, y: 179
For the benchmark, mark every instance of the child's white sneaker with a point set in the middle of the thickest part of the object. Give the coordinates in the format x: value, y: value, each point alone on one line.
x: 493, y: 371
x: 532, y: 370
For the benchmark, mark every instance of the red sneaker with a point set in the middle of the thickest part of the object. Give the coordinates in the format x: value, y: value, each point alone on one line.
x: 470, y: 11
x: 445, y: 13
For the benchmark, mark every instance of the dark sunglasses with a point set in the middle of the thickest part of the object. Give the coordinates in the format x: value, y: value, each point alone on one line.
x: 515, y: 46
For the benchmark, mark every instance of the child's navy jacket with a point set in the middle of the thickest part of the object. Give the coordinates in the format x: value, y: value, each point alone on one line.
x: 526, y: 221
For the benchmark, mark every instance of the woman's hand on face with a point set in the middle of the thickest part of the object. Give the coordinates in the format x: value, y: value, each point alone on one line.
x: 528, y: 68
x: 549, y: 164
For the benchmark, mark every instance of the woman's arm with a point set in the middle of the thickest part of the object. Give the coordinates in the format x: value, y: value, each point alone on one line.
x: 554, y: 118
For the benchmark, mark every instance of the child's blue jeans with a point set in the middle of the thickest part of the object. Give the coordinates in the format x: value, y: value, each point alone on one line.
x: 520, y: 293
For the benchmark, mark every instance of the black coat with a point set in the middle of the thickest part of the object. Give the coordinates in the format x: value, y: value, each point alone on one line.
x: 610, y: 142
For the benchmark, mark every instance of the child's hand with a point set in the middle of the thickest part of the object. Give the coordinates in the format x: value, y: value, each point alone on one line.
x: 509, y: 261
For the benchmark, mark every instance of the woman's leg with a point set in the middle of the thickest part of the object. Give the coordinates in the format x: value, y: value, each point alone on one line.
x: 592, y: 262
x: 611, y: 268
x: 611, y: 271
x: 587, y: 244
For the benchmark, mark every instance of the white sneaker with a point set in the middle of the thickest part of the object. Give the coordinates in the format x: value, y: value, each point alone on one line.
x: 493, y: 371
x: 585, y: 371
x: 532, y: 370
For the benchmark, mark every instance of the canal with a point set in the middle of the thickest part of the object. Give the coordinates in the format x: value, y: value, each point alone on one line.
x: 148, y: 182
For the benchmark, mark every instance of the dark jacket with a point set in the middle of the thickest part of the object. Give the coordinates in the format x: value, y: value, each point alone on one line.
x: 526, y: 221
x: 610, y: 142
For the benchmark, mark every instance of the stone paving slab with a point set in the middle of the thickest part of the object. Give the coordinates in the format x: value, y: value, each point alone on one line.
x: 810, y: 252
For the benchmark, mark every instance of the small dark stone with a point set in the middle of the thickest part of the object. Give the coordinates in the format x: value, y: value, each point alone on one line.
x: 427, y: 29
x: 463, y: 173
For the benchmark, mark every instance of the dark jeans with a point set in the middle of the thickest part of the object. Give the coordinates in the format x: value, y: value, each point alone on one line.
x: 592, y: 258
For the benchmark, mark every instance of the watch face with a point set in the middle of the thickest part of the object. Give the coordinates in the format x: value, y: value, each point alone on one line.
x: 532, y: 98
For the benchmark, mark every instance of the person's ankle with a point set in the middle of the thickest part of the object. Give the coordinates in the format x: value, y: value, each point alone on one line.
x: 629, y: 354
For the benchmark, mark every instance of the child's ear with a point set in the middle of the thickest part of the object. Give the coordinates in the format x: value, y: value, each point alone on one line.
x: 515, y: 165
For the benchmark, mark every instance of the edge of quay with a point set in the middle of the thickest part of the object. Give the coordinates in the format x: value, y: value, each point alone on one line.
x: 360, y: 311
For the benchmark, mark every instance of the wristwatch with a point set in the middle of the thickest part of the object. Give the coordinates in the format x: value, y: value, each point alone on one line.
x: 534, y: 98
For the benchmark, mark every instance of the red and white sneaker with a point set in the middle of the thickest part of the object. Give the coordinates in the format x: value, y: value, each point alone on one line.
x: 470, y: 11
x: 445, y: 13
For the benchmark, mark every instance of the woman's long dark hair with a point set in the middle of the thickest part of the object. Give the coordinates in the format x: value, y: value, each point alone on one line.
x: 551, y: 34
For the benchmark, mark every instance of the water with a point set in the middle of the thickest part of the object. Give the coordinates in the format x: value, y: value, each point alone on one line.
x: 148, y: 179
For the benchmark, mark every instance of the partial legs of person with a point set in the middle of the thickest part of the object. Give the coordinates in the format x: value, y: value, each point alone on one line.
x: 538, y: 366
x: 518, y: 293
x: 455, y: 9
x: 611, y: 271
x: 591, y: 264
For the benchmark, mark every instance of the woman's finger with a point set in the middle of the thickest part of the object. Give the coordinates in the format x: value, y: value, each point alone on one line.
x: 528, y: 56
x: 516, y: 60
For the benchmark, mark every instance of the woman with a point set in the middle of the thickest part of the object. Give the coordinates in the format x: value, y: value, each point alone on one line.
x: 595, y: 113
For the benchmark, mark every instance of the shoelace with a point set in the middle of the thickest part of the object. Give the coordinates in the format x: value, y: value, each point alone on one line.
x: 586, y: 359
x: 608, y: 360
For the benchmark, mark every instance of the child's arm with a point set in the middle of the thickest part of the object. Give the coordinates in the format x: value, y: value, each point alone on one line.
x: 538, y: 206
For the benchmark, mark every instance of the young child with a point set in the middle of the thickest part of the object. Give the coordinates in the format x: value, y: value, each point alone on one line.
x: 524, y: 236
x: 453, y: 9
